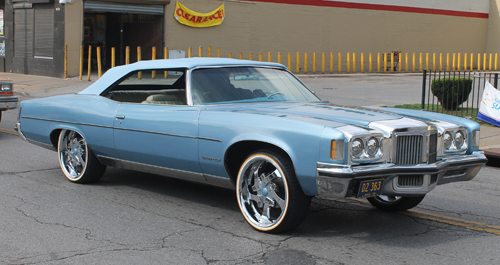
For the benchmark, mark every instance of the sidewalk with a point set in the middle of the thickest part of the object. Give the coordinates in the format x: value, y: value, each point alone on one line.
x: 29, y: 86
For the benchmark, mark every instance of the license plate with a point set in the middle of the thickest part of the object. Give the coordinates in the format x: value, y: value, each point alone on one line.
x: 371, y: 188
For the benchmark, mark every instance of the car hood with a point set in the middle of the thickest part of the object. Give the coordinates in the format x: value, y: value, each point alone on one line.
x: 319, y: 112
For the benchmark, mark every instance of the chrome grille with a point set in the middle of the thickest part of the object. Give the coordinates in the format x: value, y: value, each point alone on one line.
x: 409, y: 149
x: 410, y: 180
x: 432, y: 148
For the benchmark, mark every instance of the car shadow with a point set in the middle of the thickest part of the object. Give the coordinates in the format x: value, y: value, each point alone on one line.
x: 327, y: 218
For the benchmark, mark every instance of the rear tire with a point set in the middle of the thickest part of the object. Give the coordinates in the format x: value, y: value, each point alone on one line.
x: 395, y: 203
x: 77, y: 161
x: 269, y: 194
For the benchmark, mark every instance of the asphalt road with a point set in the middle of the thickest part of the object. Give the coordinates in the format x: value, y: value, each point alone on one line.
x: 136, y: 218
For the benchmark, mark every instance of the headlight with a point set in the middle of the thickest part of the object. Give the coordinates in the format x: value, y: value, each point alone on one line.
x: 459, y: 139
x: 357, y: 148
x: 372, y: 147
x: 454, y: 141
x: 447, y: 140
x: 366, y: 149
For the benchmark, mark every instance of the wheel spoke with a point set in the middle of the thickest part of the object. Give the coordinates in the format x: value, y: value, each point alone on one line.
x: 277, y: 199
x: 270, y: 177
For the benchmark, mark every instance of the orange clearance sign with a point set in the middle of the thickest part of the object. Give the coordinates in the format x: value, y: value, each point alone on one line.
x: 200, y: 20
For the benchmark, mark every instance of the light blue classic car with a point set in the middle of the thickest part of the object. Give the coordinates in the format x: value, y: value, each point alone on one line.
x: 253, y: 127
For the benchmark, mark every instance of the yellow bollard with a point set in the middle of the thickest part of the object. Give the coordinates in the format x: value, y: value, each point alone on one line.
x: 434, y: 62
x: 165, y: 56
x: 190, y: 52
x: 81, y: 62
x: 113, y: 57
x: 348, y: 63
x: 458, y: 62
x: 260, y: 57
x: 479, y: 62
x: 491, y: 60
x: 465, y: 61
x: 414, y: 62
x: 241, y: 56
x: 323, y: 63
x: 279, y: 57
x: 370, y: 67
x: 440, y: 62
x: 66, y: 60
x: 298, y: 63
x: 406, y: 63
x: 209, y: 51
x: 99, y: 66
x: 127, y: 55
x: 392, y: 62
x: 139, y: 75
x: 471, y: 61
x: 484, y: 62
x: 200, y: 51
x: 378, y: 62
x: 305, y: 63
x: 496, y: 61
x: 290, y: 61
x: 230, y: 55
x: 340, y: 63
x: 269, y: 57
x: 354, y: 62
x: 361, y: 62
x: 218, y: 52
x: 385, y: 62
x: 453, y: 65
x: 400, y: 61
x: 331, y: 62
x: 314, y: 63
x: 153, y: 57
x: 89, y: 62
x: 427, y: 61
x: 421, y: 62
x: 250, y: 56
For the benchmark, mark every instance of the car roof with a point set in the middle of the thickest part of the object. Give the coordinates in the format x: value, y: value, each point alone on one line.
x: 113, y: 74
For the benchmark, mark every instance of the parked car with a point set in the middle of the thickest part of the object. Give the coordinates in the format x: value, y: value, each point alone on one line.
x: 7, y: 98
x: 253, y: 127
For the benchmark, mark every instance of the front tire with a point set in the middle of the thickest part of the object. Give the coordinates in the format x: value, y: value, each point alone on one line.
x: 269, y: 195
x: 77, y: 161
x: 395, y: 203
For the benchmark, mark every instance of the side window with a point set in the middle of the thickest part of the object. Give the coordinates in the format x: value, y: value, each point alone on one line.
x: 150, y: 87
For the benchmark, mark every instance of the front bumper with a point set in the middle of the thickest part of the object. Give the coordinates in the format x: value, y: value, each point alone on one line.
x: 7, y: 103
x: 340, y: 181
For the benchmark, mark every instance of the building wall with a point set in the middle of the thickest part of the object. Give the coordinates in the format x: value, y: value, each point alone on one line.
x: 493, y: 36
x: 73, y: 34
x: 457, y: 26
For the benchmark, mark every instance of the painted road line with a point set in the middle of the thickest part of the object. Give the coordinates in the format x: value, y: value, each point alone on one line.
x: 473, y: 225
x: 8, y: 131
x: 462, y: 223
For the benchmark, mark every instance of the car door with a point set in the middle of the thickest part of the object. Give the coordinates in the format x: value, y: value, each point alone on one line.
x: 158, y: 135
x: 154, y: 128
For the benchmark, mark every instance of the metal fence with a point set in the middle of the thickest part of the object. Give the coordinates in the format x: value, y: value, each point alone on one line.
x: 470, y: 106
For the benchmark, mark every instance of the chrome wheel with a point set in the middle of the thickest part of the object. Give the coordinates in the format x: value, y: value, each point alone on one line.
x: 262, y: 192
x: 72, y: 154
x: 77, y: 161
x: 395, y: 203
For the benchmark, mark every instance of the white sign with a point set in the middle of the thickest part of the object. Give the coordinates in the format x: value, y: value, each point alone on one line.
x: 489, y: 111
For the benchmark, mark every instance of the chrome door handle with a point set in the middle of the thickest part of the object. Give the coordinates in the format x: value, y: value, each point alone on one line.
x: 121, y: 117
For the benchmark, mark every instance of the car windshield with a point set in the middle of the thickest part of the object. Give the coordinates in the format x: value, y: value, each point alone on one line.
x: 246, y: 84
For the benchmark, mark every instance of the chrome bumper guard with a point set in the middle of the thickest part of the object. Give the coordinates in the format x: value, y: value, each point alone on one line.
x: 340, y: 181
x: 18, y: 130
